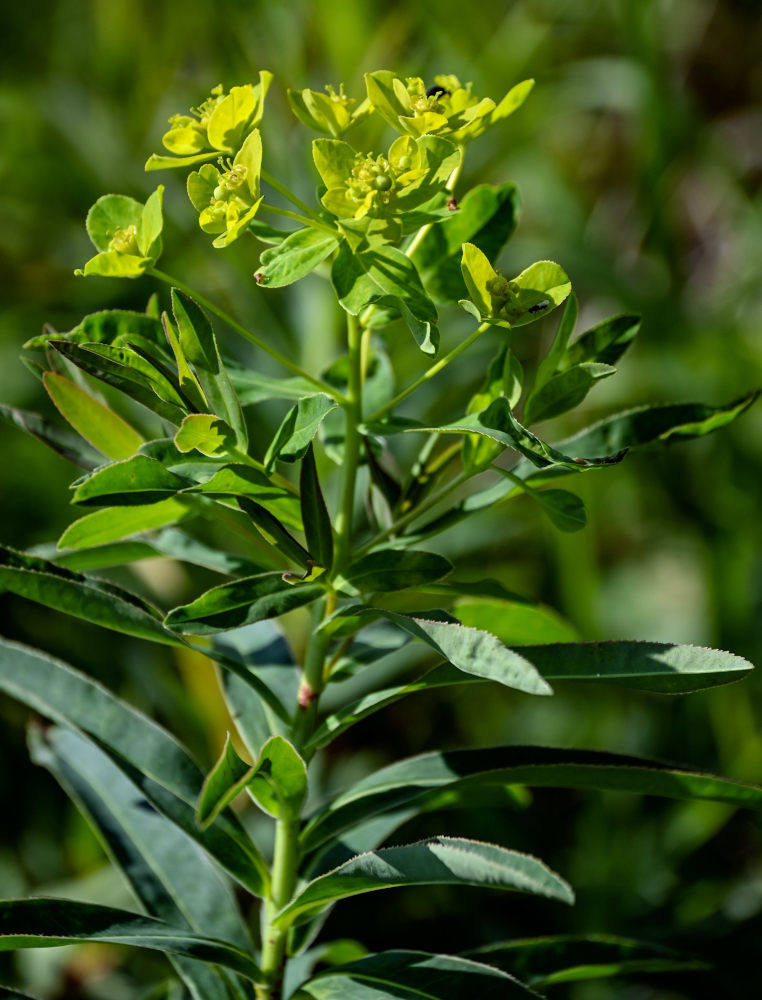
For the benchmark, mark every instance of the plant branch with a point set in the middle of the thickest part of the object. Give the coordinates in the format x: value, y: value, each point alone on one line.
x: 353, y: 414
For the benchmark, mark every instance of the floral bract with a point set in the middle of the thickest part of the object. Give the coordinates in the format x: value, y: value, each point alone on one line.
x: 127, y: 234
x: 218, y: 125
x: 228, y: 200
x: 331, y: 113
x: 448, y: 108
x: 360, y: 185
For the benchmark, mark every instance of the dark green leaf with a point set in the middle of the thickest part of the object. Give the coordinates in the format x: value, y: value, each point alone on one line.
x: 245, y: 481
x: 250, y: 599
x: 132, y: 481
x: 105, y: 327
x: 273, y: 532
x: 158, y: 764
x: 295, y: 256
x: 605, y: 342
x: 413, y: 975
x: 565, y: 391
x: 426, y: 780
x: 47, y: 923
x: 315, y: 517
x: 440, y: 861
x: 299, y: 427
x: 394, y: 569
x: 252, y: 387
x: 71, y: 446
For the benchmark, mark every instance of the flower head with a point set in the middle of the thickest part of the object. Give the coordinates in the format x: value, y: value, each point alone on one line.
x: 447, y: 109
x: 360, y: 185
x: 227, y: 199
x: 126, y: 234
x: 220, y: 124
x: 332, y: 113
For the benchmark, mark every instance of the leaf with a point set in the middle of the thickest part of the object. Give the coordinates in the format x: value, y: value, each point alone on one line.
x: 277, y: 781
x: 249, y: 599
x: 315, y: 517
x: 108, y: 215
x: 468, y: 649
x: 46, y: 923
x: 394, y: 569
x: 129, y: 372
x: 206, y: 433
x: 170, y: 875
x: 293, y: 258
x: 439, y: 861
x: 160, y: 766
x: 605, y: 342
x: 71, y: 446
x: 551, y: 361
x: 299, y: 427
x: 486, y: 217
x: 97, y: 424
x: 113, y: 523
x: 273, y: 532
x: 106, y: 327
x: 413, y: 975
x: 253, y: 387
x: 430, y: 779
x: 567, y: 958
x: 80, y: 596
x: 565, y: 391
x: 513, y: 623
x: 244, y: 481
x: 132, y: 481
x: 565, y: 509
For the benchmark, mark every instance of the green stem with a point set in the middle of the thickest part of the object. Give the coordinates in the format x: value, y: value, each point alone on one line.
x: 288, y: 195
x: 284, y: 873
x: 430, y: 372
x: 305, y: 220
x: 252, y: 337
x: 353, y: 414
x: 313, y: 674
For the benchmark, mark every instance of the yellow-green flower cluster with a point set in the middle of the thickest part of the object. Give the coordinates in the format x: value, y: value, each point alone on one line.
x: 448, y: 109
x: 126, y: 234
x: 227, y: 200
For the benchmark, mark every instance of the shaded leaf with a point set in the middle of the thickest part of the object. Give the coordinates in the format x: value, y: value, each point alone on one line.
x: 299, y: 427
x: 394, y: 569
x: 315, y: 517
x: 71, y: 446
x: 605, y: 342
x: 565, y: 391
x: 99, y: 425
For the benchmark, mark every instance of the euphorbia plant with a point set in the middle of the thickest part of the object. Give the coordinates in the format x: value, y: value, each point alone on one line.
x: 397, y: 240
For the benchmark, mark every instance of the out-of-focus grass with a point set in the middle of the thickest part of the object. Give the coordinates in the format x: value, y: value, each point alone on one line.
x: 639, y: 160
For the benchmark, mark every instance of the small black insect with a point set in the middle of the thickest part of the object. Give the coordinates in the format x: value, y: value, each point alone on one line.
x: 539, y: 307
x: 437, y: 91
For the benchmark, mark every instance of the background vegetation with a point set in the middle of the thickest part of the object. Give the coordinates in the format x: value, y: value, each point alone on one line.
x: 639, y: 161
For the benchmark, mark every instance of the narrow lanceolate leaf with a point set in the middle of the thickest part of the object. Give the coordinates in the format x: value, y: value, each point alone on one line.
x: 569, y: 958
x: 295, y: 257
x: 162, y: 768
x: 47, y: 923
x: 277, y: 781
x: 113, y: 523
x: 605, y: 342
x: 135, y: 480
x: 173, y: 878
x: 315, y: 516
x: 413, y: 975
x: 394, y: 569
x: 440, y: 861
x: 564, y: 509
x: 240, y: 602
x: 80, y: 596
x: 274, y: 532
x: 515, y: 623
x: 468, y: 649
x: 420, y: 781
x: 71, y: 446
x: 565, y: 391
x: 299, y: 427
x: 99, y: 425
x: 244, y: 481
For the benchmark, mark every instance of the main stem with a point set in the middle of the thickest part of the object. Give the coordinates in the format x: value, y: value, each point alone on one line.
x: 352, y: 441
x: 285, y: 865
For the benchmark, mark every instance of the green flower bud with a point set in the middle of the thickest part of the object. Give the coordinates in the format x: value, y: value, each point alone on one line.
x: 125, y: 241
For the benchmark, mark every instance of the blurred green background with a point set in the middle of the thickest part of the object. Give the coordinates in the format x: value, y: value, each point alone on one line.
x: 639, y: 161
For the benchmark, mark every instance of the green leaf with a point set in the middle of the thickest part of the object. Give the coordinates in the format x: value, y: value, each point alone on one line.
x: 245, y: 481
x: 113, y: 523
x: 150, y: 225
x: 486, y: 217
x: 564, y: 391
x: 273, y: 532
x: 515, y: 624
x: 605, y: 342
x: 71, y: 446
x: 132, y: 481
x: 550, y: 362
x: 105, y: 327
x: 170, y: 875
x: 249, y: 599
x: 568, y: 958
x: 206, y: 433
x: 158, y: 764
x: 97, y: 424
x: 468, y: 649
x: 565, y: 509
x: 413, y: 975
x: 299, y: 427
x: 253, y: 387
x: 80, y: 596
x: 428, y: 780
x: 48, y: 923
x: 295, y: 257
x: 439, y: 861
x: 394, y: 569
x: 199, y: 346
x: 277, y: 781
x: 317, y: 522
